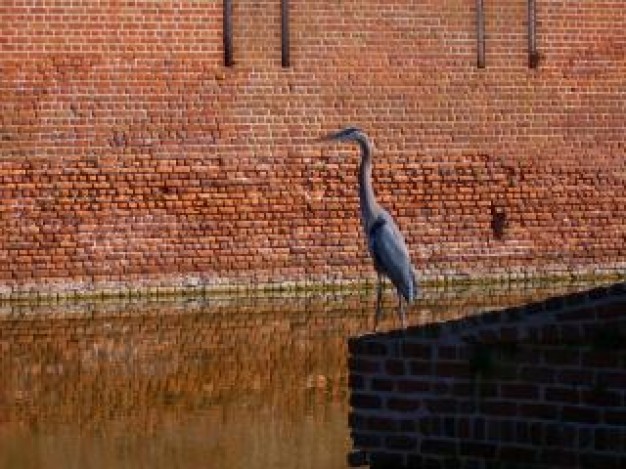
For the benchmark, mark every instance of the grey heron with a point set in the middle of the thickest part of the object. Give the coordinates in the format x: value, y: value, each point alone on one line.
x: 385, y: 242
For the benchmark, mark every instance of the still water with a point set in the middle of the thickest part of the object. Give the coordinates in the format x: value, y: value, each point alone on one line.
x: 207, y: 382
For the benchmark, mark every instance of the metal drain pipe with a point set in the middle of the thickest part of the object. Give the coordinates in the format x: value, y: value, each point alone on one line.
x: 227, y: 12
x: 480, y: 33
x: 533, y: 55
x: 284, y: 33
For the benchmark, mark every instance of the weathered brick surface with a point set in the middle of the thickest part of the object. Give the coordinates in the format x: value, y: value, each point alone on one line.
x: 541, y: 397
x: 129, y: 155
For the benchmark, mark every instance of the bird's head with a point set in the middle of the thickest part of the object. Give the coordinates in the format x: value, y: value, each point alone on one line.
x: 349, y: 134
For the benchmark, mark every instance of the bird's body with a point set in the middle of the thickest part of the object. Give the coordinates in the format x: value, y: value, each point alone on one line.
x: 391, y: 257
x: 385, y: 242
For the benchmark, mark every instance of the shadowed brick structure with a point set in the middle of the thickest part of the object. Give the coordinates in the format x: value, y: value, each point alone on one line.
x: 537, y: 386
x: 131, y: 157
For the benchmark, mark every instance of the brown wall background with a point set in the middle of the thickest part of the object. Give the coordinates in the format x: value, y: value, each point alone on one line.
x: 129, y: 155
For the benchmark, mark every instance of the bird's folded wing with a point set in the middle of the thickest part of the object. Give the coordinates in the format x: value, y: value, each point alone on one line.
x: 392, y: 258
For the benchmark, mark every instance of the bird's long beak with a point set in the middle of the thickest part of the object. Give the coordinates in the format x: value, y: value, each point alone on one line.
x: 330, y: 137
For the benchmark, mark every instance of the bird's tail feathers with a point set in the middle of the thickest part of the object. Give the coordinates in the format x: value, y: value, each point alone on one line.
x: 416, y: 291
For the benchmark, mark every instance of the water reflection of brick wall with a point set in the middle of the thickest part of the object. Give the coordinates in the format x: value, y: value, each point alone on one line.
x: 212, y: 380
x: 126, y: 359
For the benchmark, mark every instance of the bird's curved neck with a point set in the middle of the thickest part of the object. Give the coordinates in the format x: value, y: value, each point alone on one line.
x: 369, y: 205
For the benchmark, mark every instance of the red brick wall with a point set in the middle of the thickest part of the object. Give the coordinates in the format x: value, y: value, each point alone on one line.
x: 543, y: 384
x: 130, y: 155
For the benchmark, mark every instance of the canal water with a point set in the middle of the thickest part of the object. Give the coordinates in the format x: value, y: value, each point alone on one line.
x: 196, y: 382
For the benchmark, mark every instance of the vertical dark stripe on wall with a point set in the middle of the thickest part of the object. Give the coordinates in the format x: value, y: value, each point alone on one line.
x: 228, y: 33
x: 533, y: 55
x: 480, y: 33
x: 284, y: 33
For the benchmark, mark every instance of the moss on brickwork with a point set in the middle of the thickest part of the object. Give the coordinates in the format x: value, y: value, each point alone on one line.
x: 288, y: 288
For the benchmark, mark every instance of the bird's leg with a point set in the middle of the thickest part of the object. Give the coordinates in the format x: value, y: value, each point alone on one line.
x: 401, y: 314
x: 379, y: 298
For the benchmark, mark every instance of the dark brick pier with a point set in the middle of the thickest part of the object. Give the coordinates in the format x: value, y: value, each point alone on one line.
x: 543, y: 385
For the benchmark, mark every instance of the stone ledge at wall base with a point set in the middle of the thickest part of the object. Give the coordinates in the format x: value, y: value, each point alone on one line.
x: 537, y: 386
x: 169, y: 287
x: 200, y: 286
